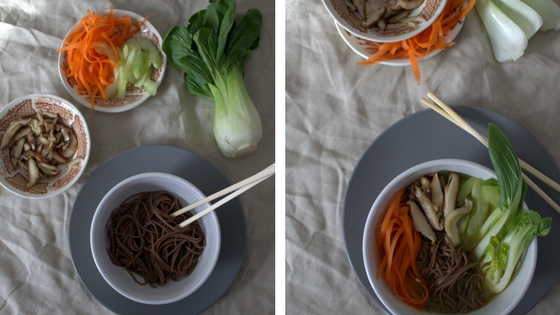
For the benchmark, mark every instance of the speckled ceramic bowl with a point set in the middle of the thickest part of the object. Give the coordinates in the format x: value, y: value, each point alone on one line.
x: 134, y: 96
x: 12, y: 176
x: 351, y: 20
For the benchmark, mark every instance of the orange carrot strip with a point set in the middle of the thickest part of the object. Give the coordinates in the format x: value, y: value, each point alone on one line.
x: 398, y: 246
x: 87, y: 50
x: 426, y: 41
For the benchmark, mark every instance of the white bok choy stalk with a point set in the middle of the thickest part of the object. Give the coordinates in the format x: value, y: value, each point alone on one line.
x: 549, y: 12
x: 522, y: 15
x: 507, y: 39
x: 211, y: 51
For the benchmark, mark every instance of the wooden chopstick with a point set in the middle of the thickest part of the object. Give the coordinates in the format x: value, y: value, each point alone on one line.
x: 447, y: 112
x: 233, y: 191
x: 463, y: 124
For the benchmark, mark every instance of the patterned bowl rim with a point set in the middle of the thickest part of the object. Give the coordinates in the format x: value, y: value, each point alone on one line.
x: 351, y: 41
x: 372, y: 36
x: 82, y: 99
x: 83, y: 164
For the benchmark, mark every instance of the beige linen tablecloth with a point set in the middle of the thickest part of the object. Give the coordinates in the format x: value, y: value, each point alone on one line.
x: 336, y: 109
x: 36, y: 272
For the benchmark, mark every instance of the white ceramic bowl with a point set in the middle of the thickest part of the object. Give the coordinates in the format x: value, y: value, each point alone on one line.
x: 430, y: 10
x: 502, y: 304
x: 117, y: 277
x: 134, y: 96
x: 13, y: 177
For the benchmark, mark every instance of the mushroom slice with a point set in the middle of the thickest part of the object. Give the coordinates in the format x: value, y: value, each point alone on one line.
x: 13, y: 128
x: 42, y: 140
x: 57, y: 157
x: 18, y: 148
x: 35, y: 155
x: 398, y: 17
x: 453, y: 218
x: 49, y: 114
x: 31, y: 141
x: 350, y: 5
x: 450, y: 192
x: 413, y: 19
x: 74, y: 162
x: 393, y: 10
x: 429, y: 209
x: 21, y: 163
x: 437, y: 193
x: 23, y: 132
x: 410, y: 4
x: 49, y: 126
x: 374, y: 17
x: 420, y: 222
x: 36, y: 126
x: 425, y: 183
x: 69, y: 150
x: 65, y: 134
x: 361, y: 7
x: 49, y: 170
x: 382, y: 24
x: 40, y: 117
x: 33, y: 172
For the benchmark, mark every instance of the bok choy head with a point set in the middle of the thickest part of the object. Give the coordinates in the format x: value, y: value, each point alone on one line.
x: 211, y: 51
x: 514, y: 228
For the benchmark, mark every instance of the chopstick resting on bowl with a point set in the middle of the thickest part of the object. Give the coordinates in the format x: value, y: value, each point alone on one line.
x: 446, y: 111
x: 233, y: 191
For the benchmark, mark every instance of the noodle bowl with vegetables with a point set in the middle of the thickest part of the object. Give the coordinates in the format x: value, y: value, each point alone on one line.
x: 444, y: 274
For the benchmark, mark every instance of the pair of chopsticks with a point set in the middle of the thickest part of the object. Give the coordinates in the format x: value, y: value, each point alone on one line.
x: 443, y: 109
x: 233, y: 191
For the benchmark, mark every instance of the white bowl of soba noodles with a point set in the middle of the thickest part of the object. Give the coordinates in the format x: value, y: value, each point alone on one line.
x: 417, y: 262
x: 138, y: 246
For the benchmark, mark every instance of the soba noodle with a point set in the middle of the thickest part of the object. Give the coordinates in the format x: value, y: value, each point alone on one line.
x: 454, y: 281
x: 145, y: 239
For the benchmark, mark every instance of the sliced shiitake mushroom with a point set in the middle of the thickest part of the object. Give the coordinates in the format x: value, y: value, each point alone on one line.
x: 39, y: 143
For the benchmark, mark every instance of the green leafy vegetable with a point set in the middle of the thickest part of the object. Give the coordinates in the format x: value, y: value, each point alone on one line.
x: 211, y: 51
x: 505, y: 249
x: 508, y: 230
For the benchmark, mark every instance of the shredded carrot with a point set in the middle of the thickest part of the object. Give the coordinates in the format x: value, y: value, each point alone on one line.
x: 91, y: 50
x: 398, y: 245
x: 423, y: 43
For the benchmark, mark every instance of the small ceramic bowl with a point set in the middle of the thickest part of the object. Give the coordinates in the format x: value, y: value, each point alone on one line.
x: 501, y: 304
x: 118, y: 277
x: 134, y: 95
x: 13, y: 176
x: 366, y: 48
x: 352, y: 20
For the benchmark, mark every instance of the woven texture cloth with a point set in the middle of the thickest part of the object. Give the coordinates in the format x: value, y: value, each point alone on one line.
x: 335, y: 109
x: 36, y: 271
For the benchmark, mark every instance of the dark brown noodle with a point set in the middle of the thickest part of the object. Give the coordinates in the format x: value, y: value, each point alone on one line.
x: 145, y: 239
x: 454, y: 281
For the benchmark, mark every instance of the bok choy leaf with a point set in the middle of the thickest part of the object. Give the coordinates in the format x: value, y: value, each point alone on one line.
x: 211, y: 51
x: 513, y: 228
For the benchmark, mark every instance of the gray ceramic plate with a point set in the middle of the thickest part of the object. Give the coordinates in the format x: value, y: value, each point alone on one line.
x: 174, y: 161
x: 425, y: 136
